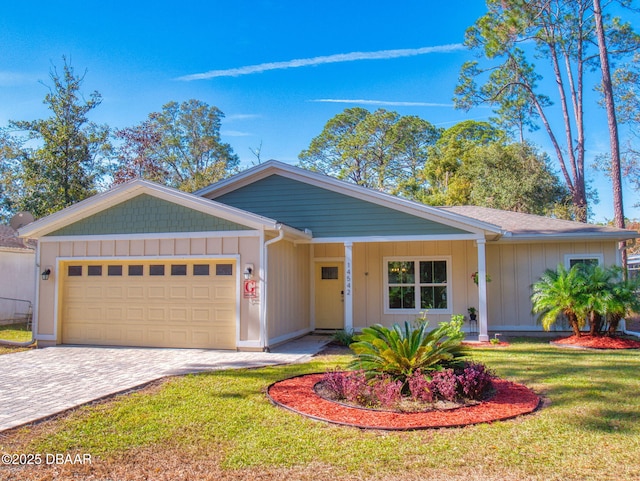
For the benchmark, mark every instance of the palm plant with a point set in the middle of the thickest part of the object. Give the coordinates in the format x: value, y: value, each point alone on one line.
x: 399, y: 351
x: 623, y: 299
x: 561, y: 292
x: 598, y: 294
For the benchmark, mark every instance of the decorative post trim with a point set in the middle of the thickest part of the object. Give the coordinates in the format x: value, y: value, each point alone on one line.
x: 482, y: 291
x: 348, y: 286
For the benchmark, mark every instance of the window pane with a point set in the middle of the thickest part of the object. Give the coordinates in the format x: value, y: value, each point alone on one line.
x: 401, y: 297
x: 440, y: 272
x: 136, y: 270
x: 178, y: 269
x: 201, y: 269
x: 156, y: 270
x: 94, y: 270
x: 426, y: 272
x: 114, y: 270
x: 330, y: 272
x: 224, y: 269
x: 440, y: 297
x: 586, y: 262
x: 74, y: 271
x: 426, y: 298
x: 401, y: 272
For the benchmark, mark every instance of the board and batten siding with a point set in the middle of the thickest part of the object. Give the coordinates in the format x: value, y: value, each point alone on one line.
x: 248, y: 248
x: 325, y: 212
x: 288, y: 290
x: 513, y: 269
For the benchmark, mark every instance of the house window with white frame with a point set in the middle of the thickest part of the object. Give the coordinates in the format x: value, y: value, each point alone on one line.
x: 414, y: 285
x: 571, y: 260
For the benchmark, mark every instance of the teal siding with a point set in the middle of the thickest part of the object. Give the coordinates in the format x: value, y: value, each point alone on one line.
x: 146, y: 214
x: 327, y: 213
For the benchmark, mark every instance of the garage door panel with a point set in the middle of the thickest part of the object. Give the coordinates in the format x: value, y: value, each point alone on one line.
x: 178, y: 310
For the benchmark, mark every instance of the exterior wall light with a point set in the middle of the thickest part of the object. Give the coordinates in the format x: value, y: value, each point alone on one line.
x: 248, y: 271
x: 45, y: 274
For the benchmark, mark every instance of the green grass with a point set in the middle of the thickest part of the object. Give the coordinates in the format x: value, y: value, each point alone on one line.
x: 588, y: 429
x: 15, y: 332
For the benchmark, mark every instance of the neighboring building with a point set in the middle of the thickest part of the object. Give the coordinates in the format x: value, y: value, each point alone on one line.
x: 276, y: 252
x: 17, y: 275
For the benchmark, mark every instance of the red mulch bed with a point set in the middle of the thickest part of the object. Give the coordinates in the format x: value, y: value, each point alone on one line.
x: 597, y: 342
x: 297, y: 394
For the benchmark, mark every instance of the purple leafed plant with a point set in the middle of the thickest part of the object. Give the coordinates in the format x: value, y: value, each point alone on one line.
x: 444, y: 385
x: 419, y: 387
x: 474, y: 380
x: 386, y: 392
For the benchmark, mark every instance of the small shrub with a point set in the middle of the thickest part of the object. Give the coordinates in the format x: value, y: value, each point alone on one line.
x: 444, y: 385
x: 343, y: 337
x: 357, y: 389
x: 474, y: 380
x: 386, y: 392
x: 336, y: 382
x: 419, y: 387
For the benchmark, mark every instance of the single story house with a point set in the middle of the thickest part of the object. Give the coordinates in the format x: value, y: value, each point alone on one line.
x: 18, y: 276
x: 276, y: 251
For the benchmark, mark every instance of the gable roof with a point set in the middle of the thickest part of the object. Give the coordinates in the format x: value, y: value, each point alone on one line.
x: 137, y: 188
x: 495, y: 224
x: 520, y: 226
x: 236, y: 189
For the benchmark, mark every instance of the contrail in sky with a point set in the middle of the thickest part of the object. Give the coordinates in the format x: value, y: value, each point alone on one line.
x: 386, y: 103
x: 309, y: 62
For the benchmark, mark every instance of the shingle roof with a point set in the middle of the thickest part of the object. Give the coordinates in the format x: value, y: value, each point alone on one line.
x: 9, y: 238
x: 517, y: 224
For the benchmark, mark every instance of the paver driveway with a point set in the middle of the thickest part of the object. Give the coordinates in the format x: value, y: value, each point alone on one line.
x: 39, y: 383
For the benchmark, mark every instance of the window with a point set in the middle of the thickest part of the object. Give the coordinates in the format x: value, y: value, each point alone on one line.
x: 201, y: 269
x: 413, y: 285
x: 136, y: 270
x: 94, y: 270
x: 330, y: 272
x: 224, y: 269
x: 114, y: 270
x: 178, y: 269
x: 74, y: 271
x: 571, y: 260
x: 156, y: 270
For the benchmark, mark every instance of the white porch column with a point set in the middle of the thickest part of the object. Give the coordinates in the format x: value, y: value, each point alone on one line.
x: 482, y: 291
x: 348, y: 286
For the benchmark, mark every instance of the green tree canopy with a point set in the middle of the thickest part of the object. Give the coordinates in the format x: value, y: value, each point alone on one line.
x: 49, y: 164
x: 381, y: 150
x: 179, y: 146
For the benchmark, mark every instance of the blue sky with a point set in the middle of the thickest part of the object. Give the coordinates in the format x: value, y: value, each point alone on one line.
x: 277, y: 69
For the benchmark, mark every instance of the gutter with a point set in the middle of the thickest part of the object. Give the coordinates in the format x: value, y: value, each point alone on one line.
x: 265, y: 261
x: 623, y: 328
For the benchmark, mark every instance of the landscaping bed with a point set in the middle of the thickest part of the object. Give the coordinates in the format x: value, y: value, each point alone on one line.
x: 298, y: 395
x: 586, y: 341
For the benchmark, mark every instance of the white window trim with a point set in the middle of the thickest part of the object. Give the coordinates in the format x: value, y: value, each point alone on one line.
x: 570, y: 257
x: 417, y: 310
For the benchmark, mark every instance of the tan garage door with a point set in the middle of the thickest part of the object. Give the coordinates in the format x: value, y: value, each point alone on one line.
x: 176, y: 303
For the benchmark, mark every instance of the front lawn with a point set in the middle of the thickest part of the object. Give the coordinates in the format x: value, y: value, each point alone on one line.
x: 15, y: 332
x: 220, y: 426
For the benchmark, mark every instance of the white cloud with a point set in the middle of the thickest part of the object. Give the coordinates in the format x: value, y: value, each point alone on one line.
x: 233, y: 117
x: 308, y: 62
x: 386, y: 103
x: 234, y: 133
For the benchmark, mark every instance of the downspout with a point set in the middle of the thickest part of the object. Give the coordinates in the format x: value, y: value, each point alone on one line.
x: 265, y: 260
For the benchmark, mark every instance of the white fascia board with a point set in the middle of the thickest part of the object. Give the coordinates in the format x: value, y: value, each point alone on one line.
x: 400, y: 238
x: 152, y: 235
x: 105, y: 200
x: 369, y: 195
x: 566, y: 237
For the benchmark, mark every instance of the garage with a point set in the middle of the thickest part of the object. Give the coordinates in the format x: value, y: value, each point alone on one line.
x: 177, y: 302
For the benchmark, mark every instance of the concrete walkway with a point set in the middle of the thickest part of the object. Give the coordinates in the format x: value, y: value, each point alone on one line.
x: 39, y: 383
